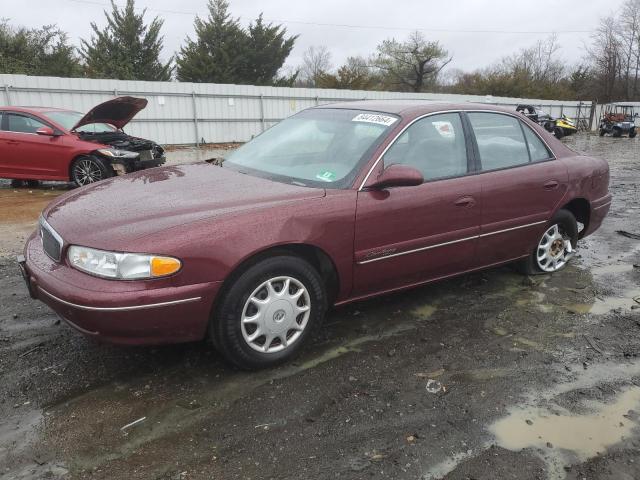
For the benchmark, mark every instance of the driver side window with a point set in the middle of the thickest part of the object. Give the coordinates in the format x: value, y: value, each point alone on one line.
x: 22, y: 123
x: 434, y: 145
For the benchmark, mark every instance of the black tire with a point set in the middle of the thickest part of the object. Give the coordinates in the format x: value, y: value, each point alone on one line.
x: 558, y: 132
x: 225, y: 327
x: 632, y: 133
x: 33, y: 183
x: 15, y: 183
x: 568, y: 226
x: 89, y: 169
x: 548, y: 126
x: 602, y: 132
x: 617, y: 133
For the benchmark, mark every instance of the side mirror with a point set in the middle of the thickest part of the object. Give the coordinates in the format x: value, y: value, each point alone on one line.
x: 46, y: 131
x: 397, y: 176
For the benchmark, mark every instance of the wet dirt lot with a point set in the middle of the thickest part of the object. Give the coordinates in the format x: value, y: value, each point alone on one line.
x: 486, y: 376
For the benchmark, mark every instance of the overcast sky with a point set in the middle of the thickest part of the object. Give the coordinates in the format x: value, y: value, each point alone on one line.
x: 476, y: 32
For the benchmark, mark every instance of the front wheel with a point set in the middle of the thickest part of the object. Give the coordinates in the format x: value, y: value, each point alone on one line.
x: 89, y: 169
x: 555, y: 247
x: 632, y: 133
x: 269, y: 312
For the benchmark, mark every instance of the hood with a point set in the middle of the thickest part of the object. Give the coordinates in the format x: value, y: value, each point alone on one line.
x: 117, y: 112
x: 115, y: 213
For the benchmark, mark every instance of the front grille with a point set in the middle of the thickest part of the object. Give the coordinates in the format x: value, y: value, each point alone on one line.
x: 51, y: 241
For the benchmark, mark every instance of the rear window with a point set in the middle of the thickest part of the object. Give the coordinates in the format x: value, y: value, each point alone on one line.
x: 500, y: 140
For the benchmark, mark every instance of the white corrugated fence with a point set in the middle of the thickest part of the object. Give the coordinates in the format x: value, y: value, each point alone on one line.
x: 193, y: 113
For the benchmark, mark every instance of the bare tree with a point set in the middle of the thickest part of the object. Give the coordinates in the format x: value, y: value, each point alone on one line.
x: 630, y: 45
x: 540, y: 62
x: 316, y: 62
x: 413, y: 64
x: 606, y: 56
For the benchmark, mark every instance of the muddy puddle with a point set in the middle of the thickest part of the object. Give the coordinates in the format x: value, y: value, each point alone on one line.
x: 563, y: 430
x: 19, y: 212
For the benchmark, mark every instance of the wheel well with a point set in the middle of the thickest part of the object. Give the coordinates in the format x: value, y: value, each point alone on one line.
x: 317, y: 257
x: 581, y: 210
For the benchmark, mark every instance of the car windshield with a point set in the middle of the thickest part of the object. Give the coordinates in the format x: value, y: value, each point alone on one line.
x: 68, y: 119
x: 317, y: 147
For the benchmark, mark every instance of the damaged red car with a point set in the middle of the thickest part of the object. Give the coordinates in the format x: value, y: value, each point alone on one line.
x: 41, y: 143
x: 335, y: 204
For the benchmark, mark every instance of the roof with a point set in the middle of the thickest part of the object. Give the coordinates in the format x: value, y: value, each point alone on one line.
x: 412, y: 107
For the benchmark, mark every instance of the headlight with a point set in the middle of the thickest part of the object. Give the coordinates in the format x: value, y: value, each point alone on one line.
x: 115, y: 153
x: 124, y: 266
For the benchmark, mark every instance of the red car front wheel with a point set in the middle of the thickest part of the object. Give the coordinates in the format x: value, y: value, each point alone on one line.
x: 89, y: 169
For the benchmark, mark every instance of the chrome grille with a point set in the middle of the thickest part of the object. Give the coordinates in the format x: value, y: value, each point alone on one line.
x: 51, y: 241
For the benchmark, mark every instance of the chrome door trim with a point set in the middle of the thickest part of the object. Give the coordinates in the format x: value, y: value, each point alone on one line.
x: 118, y: 309
x: 512, y: 228
x: 602, y: 206
x: 429, y: 247
x: 415, y: 250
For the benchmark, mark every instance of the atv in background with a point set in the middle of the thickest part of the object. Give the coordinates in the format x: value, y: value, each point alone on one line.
x: 618, y: 119
x: 559, y: 127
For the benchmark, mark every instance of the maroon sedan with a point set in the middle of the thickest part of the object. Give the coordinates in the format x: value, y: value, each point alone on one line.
x: 44, y: 143
x: 333, y: 205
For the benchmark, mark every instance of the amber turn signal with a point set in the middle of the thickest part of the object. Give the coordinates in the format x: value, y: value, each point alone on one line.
x: 163, y: 266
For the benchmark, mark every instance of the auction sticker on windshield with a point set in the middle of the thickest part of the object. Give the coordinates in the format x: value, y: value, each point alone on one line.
x: 385, y: 120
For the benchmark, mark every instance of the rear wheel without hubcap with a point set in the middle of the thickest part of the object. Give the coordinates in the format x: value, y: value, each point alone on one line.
x: 554, y: 250
x: 555, y: 247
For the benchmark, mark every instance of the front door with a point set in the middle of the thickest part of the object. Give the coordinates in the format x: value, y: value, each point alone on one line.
x: 29, y: 155
x: 408, y: 235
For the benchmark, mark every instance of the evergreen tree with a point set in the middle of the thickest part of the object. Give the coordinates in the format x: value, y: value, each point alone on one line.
x: 127, y: 48
x: 224, y: 52
x: 265, y: 53
x: 215, y: 54
x: 39, y: 51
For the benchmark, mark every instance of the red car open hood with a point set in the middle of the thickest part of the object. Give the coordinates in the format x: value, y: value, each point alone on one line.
x: 117, y: 112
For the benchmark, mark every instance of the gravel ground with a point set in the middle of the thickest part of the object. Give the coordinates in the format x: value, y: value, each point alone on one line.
x: 485, y: 376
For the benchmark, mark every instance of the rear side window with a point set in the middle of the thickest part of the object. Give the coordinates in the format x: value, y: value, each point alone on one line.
x: 500, y: 140
x: 537, y: 149
x: 434, y: 145
x: 22, y: 123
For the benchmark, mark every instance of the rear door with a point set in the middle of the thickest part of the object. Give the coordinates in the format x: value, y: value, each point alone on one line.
x: 521, y: 182
x: 29, y: 155
x: 408, y: 235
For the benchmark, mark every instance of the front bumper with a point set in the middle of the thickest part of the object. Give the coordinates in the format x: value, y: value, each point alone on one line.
x: 122, y: 312
x: 122, y: 166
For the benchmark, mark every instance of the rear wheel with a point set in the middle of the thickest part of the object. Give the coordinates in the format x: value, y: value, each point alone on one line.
x: 632, y: 133
x: 269, y: 312
x: 89, y: 169
x: 555, y: 247
x: 602, y: 132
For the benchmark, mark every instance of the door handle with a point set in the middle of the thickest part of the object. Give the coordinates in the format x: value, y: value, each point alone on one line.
x: 12, y: 142
x: 551, y: 185
x: 466, y: 201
